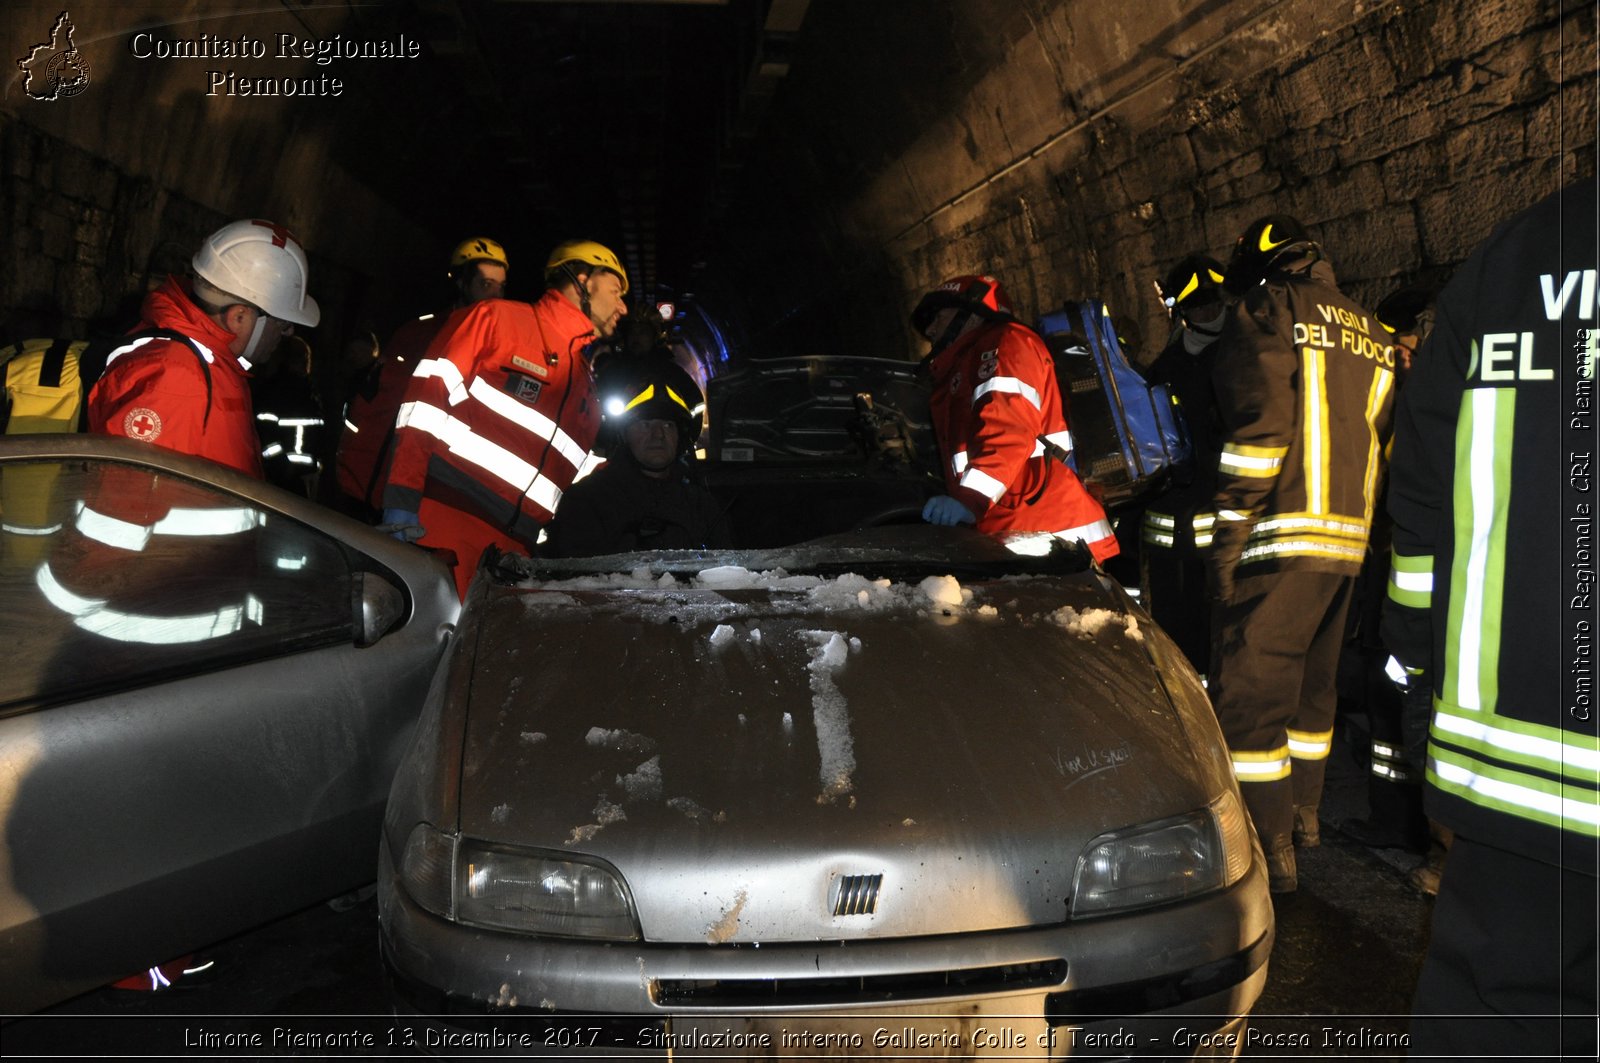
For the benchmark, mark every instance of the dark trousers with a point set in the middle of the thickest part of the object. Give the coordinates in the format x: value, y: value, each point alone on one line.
x: 1510, y: 968
x: 1274, y: 691
x: 1175, y: 596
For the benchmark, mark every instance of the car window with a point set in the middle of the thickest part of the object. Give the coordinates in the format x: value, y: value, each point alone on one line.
x: 114, y: 576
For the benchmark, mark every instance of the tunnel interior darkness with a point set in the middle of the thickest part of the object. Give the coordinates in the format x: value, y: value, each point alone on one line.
x: 796, y: 170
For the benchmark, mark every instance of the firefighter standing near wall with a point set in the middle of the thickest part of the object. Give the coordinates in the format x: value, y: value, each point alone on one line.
x: 1304, y: 381
x: 1394, y: 784
x: 1176, y: 528
x: 248, y: 292
x: 1490, y: 611
x: 500, y: 417
x: 477, y: 270
x: 997, y: 414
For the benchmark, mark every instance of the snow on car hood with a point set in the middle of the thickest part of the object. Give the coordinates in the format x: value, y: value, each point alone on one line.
x: 737, y: 741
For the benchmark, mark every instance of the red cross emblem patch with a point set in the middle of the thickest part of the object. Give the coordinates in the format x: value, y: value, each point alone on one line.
x: 142, y: 423
x: 280, y: 235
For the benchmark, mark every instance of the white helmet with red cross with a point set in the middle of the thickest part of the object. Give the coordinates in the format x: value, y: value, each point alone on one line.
x: 262, y: 264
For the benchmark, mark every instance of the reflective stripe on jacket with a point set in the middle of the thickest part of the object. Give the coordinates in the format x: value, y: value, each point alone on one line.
x: 499, y: 418
x: 156, y: 391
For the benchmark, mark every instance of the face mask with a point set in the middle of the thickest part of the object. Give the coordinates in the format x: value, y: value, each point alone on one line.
x: 255, y: 341
x: 1198, y: 335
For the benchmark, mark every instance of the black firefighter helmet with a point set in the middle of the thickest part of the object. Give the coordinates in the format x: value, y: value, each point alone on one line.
x: 1193, y: 287
x: 653, y: 387
x: 1263, y: 246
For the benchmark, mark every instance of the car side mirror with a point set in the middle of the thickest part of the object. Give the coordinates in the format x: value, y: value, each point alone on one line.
x: 379, y: 607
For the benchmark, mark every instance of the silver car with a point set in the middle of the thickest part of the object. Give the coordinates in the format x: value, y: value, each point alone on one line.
x: 897, y: 791
x: 208, y: 685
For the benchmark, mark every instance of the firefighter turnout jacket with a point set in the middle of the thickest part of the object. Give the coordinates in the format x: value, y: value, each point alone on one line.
x: 1305, y: 385
x: 500, y: 416
x: 158, y: 390
x: 1491, y: 594
x: 1180, y: 518
x: 994, y: 397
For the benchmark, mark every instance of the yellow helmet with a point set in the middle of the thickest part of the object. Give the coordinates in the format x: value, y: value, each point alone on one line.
x: 588, y: 253
x: 477, y: 249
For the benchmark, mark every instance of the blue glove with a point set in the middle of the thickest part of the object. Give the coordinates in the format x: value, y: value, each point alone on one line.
x: 403, y: 524
x: 942, y: 509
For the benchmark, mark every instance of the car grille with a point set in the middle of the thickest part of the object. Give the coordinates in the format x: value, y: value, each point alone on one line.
x: 869, y: 989
x: 856, y: 894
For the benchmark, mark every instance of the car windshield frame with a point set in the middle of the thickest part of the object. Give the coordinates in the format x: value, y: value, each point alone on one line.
x: 901, y: 553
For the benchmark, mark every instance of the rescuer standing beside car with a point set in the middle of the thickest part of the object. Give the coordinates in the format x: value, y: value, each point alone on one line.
x: 1488, y: 611
x: 998, y: 416
x: 1305, y: 384
x: 500, y: 416
x: 248, y: 292
x: 478, y: 268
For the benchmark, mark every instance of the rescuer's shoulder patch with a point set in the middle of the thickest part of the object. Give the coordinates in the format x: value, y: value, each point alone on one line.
x: 142, y: 423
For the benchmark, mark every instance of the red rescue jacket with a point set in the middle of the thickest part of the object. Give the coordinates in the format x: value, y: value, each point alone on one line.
x: 369, y: 417
x: 499, y: 418
x: 157, y: 391
x: 994, y: 395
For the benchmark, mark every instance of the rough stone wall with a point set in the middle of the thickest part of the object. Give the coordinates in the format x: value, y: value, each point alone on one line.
x: 1400, y: 133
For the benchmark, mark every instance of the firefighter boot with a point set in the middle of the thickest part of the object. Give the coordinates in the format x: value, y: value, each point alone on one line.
x: 1281, y: 874
x: 1307, y: 830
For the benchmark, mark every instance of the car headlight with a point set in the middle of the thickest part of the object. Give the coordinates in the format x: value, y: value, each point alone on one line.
x: 1169, y: 860
x: 538, y: 893
x: 503, y: 888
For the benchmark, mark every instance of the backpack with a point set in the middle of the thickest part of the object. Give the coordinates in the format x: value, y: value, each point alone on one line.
x: 1129, y: 437
x: 47, y: 381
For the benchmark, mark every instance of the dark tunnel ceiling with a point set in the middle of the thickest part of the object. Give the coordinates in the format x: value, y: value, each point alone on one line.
x: 540, y: 120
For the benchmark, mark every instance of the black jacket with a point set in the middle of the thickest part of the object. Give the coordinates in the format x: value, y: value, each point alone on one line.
x: 1180, y: 517
x: 1493, y: 496
x: 618, y: 509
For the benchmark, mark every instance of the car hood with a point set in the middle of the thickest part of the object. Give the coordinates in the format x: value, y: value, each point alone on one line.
x: 740, y: 745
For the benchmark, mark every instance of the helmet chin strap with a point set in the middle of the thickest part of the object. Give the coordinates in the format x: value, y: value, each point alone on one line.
x: 255, y: 341
x: 581, y: 285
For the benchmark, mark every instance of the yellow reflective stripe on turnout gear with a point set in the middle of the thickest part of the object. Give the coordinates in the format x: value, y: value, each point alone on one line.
x: 1310, y: 745
x: 1482, y: 497
x: 1239, y: 459
x: 1314, y: 427
x: 1377, y: 396
x: 1411, y: 579
x: 1532, y: 745
x: 1260, y: 766
x: 1570, y: 808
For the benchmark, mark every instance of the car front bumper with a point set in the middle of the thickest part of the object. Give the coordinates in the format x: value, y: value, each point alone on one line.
x: 1166, y: 979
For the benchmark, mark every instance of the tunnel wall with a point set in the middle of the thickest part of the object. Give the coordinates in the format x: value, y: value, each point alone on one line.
x: 1096, y: 149
x: 104, y: 193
